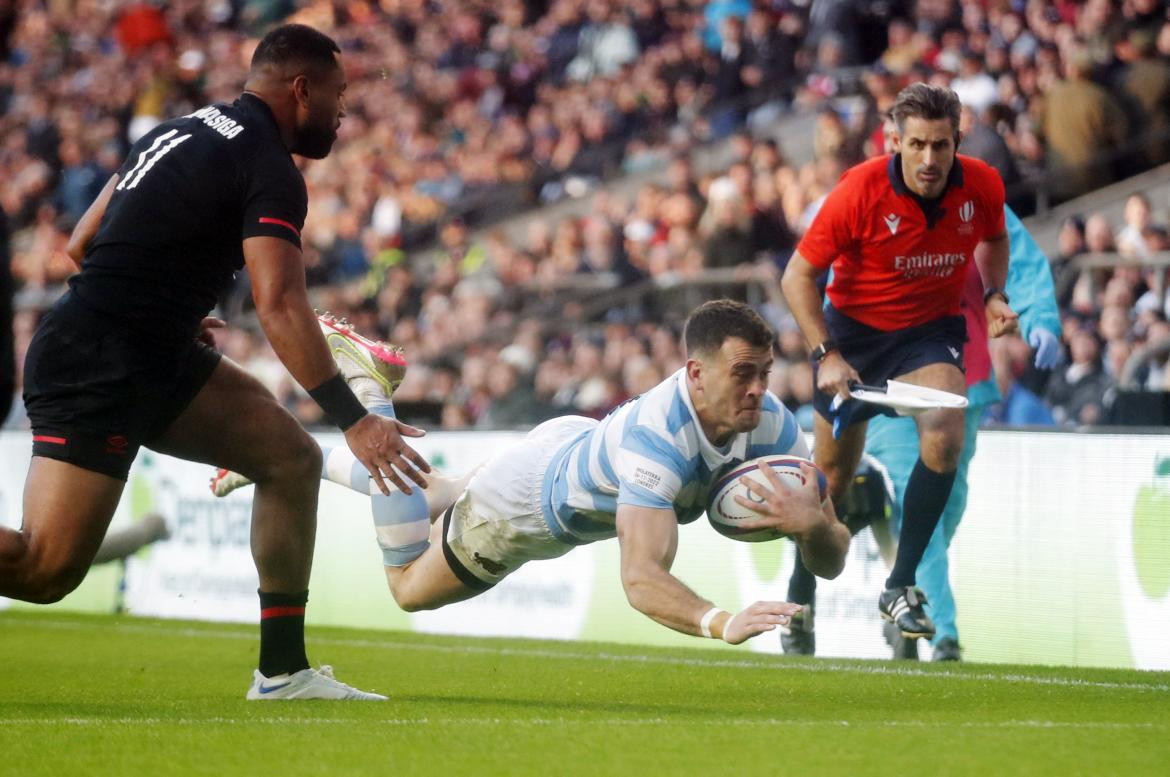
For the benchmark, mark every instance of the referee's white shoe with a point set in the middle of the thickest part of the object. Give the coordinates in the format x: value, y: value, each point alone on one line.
x: 306, y: 684
x: 373, y: 369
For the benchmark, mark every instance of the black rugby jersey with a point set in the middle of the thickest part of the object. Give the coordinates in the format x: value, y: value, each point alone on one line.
x: 187, y: 195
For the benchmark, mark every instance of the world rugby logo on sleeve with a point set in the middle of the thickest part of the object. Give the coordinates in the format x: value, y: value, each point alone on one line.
x: 966, y: 214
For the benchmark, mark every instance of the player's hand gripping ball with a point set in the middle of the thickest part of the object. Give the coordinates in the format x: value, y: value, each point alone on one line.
x: 727, y: 516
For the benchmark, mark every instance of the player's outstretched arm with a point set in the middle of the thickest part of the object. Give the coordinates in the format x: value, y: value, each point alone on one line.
x: 87, y: 225
x: 649, y: 540
x: 282, y: 305
x: 799, y: 513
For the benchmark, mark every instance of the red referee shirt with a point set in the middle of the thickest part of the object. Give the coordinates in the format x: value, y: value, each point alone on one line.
x: 893, y: 267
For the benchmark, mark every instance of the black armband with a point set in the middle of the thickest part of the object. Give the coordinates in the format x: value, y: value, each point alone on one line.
x: 339, y: 403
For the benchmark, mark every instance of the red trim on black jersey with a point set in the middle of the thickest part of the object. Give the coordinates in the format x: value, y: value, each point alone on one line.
x: 47, y: 438
x: 280, y: 222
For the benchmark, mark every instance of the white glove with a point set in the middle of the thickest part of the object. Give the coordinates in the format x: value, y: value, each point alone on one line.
x: 1047, y: 347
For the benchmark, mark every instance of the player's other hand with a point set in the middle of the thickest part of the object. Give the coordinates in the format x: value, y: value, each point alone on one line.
x: 756, y: 619
x: 377, y: 443
x: 1001, y: 319
x: 834, y: 375
x: 205, y: 335
x: 794, y: 510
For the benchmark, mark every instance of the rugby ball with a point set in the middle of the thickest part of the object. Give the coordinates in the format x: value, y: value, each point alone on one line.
x: 726, y: 515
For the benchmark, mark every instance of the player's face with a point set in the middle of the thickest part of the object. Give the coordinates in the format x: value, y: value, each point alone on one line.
x: 732, y: 382
x: 318, y: 121
x: 928, y: 152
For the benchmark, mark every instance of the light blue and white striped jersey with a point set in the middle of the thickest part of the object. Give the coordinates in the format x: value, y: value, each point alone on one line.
x: 651, y: 452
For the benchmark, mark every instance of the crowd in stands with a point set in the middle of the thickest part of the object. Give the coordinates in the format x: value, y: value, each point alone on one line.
x: 454, y: 99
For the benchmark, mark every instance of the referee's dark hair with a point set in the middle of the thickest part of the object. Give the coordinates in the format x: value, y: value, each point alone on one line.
x: 713, y: 322
x: 924, y: 101
x: 295, y: 44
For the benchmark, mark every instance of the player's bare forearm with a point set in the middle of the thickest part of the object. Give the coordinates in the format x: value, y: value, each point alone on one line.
x: 282, y: 305
x: 648, y: 540
x: 87, y: 225
x: 804, y: 299
x: 824, y: 546
x: 991, y: 257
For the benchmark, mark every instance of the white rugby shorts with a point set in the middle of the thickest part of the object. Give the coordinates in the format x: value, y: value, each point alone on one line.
x: 497, y: 524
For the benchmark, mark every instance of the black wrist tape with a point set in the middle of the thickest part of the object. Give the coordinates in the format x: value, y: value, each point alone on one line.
x: 338, y: 401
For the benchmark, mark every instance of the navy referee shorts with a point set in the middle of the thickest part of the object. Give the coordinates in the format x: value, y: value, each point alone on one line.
x: 878, y: 356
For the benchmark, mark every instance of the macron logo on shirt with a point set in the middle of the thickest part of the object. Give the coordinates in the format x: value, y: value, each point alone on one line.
x: 892, y: 222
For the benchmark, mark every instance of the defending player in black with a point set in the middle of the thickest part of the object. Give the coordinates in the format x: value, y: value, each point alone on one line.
x: 123, y: 360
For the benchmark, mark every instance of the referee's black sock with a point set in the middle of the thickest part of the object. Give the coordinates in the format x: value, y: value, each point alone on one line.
x: 926, y: 497
x: 802, y: 586
x: 282, y: 633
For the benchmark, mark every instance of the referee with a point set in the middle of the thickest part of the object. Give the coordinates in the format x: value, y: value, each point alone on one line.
x: 124, y: 358
x: 899, y: 232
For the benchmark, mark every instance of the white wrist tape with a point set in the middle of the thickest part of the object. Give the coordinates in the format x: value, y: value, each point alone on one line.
x: 705, y: 622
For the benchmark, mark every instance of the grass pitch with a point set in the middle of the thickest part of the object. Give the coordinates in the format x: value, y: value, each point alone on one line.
x: 85, y: 695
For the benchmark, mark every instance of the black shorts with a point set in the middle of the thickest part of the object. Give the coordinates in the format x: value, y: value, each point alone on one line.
x: 96, y: 391
x: 878, y: 356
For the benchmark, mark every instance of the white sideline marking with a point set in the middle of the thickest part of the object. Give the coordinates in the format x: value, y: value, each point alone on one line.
x: 561, y: 721
x: 714, y: 663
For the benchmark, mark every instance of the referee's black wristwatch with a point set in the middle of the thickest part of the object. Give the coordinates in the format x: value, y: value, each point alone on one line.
x: 823, y: 350
x: 993, y: 291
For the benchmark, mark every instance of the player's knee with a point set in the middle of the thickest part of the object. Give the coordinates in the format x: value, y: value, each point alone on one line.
x: 296, y: 457
x: 50, y: 584
x: 407, y: 600
x: 945, y: 456
x: 941, y: 449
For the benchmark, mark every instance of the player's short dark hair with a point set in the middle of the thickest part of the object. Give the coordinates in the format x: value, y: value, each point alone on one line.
x: 296, y: 45
x: 923, y: 101
x: 710, y: 324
